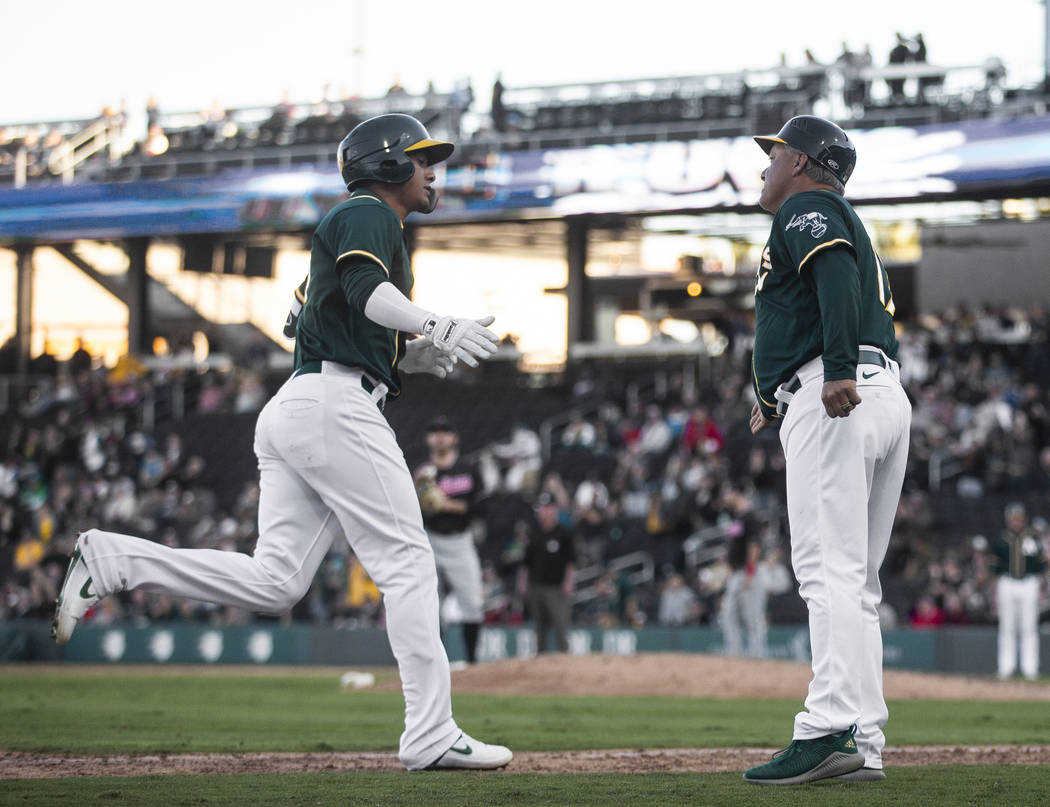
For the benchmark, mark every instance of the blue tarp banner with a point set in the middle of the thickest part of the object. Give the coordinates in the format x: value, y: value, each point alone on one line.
x: 895, y: 163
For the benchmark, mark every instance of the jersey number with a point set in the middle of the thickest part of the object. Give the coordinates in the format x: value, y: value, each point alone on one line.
x: 885, y: 293
x: 764, y: 269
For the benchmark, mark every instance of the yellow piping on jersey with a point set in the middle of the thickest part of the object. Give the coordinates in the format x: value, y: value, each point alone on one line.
x: 366, y: 255
x: 820, y: 247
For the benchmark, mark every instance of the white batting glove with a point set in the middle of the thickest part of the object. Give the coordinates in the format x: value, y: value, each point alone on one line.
x: 465, y: 339
x: 422, y: 356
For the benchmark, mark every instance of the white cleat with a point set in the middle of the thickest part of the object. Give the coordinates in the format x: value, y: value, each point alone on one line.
x: 471, y: 754
x: 76, y: 598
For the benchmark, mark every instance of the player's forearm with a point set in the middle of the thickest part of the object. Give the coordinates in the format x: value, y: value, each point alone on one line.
x: 388, y: 307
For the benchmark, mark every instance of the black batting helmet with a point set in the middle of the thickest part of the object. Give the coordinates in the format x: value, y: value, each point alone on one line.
x: 379, y: 149
x: 819, y: 139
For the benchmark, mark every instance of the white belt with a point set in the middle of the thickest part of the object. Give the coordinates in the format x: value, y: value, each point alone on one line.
x: 376, y: 389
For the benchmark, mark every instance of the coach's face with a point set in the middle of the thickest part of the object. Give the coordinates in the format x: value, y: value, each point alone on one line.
x: 779, y: 176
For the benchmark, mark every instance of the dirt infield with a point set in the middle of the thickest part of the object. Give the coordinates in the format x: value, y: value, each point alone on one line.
x: 681, y: 675
x: 18, y: 765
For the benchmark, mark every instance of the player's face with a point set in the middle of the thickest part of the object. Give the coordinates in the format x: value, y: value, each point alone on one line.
x: 777, y: 177
x: 417, y: 189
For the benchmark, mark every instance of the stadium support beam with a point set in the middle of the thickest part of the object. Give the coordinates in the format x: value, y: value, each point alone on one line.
x: 24, y: 305
x: 1046, y: 45
x: 577, y: 291
x: 139, y: 317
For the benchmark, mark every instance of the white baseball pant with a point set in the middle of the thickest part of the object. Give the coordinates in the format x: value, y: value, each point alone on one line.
x: 1018, y: 603
x: 329, y: 464
x: 844, y: 478
x: 458, y: 563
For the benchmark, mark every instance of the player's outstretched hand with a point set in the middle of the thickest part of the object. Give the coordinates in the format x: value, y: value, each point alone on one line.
x: 465, y: 339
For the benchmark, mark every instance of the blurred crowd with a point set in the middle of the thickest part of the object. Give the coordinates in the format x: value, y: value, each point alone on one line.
x: 676, y: 511
x: 82, y: 450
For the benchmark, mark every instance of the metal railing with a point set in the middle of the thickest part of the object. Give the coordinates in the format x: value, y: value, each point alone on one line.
x: 636, y: 568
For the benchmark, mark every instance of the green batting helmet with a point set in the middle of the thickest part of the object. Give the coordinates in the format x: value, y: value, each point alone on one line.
x: 819, y: 139
x: 380, y: 149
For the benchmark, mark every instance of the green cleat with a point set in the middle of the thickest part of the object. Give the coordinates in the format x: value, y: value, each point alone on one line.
x: 810, y: 760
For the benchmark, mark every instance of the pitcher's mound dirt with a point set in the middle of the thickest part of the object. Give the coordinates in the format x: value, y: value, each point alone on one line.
x: 699, y: 675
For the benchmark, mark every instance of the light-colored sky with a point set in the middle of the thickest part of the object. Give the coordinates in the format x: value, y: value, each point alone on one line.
x: 66, y: 60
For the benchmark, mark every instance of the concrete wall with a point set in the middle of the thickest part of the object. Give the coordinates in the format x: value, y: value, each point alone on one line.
x: 994, y: 262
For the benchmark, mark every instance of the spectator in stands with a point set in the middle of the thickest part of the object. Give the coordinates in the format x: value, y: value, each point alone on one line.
x: 592, y: 509
x: 679, y: 604
x: 954, y: 610
x: 80, y: 361
x: 578, y: 433
x: 655, y: 437
x: 498, y: 112
x: 701, y: 434
x: 460, y: 100
x: 813, y: 78
x: 927, y: 84
x: 152, y: 114
x: 927, y: 614
x: 522, y: 456
x: 900, y: 54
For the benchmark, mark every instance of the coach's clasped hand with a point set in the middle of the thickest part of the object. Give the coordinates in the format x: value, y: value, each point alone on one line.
x: 840, y: 397
x: 465, y: 339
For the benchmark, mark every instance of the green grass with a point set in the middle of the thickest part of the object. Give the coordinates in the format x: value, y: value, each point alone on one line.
x: 1017, y: 786
x: 158, y: 711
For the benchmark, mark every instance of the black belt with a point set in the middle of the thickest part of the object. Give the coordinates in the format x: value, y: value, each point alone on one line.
x: 366, y: 383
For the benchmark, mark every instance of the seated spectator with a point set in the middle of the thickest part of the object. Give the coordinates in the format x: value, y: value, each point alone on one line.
x: 679, y: 604
x: 927, y: 614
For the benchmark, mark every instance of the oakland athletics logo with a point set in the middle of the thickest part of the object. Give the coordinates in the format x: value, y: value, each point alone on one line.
x: 817, y: 223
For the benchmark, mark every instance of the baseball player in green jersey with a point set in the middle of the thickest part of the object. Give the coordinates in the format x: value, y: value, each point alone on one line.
x: 329, y: 463
x: 825, y: 368
x: 1018, y: 557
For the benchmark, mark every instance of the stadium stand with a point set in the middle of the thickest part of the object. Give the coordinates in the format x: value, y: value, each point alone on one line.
x: 166, y: 452
x: 107, y: 451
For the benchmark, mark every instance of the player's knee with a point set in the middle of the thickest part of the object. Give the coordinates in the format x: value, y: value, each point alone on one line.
x: 412, y: 571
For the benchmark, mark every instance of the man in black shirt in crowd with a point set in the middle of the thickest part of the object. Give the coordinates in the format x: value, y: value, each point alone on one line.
x: 545, y: 577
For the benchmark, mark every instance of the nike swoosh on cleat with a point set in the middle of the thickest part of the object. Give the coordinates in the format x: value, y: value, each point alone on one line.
x: 868, y: 375
x: 84, y: 590
x: 466, y: 750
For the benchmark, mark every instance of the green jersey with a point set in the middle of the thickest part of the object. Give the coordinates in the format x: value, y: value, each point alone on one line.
x: 357, y: 246
x: 821, y: 291
x: 1018, y: 554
